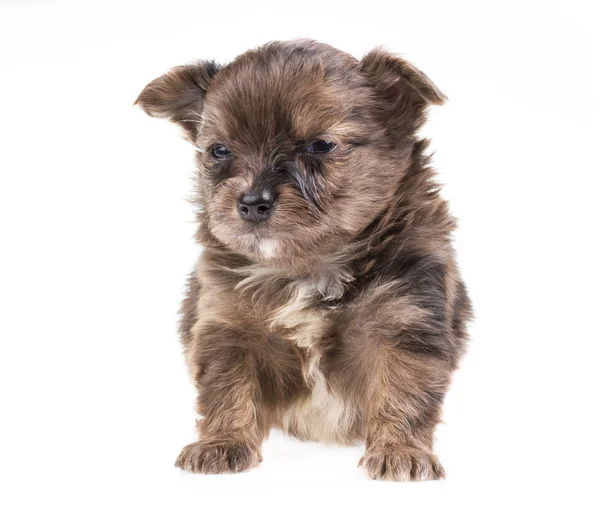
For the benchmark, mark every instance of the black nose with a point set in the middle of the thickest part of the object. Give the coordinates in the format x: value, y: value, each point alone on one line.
x: 256, y: 207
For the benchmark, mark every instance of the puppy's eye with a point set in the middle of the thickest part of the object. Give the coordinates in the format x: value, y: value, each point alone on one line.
x: 220, y: 152
x: 320, y: 146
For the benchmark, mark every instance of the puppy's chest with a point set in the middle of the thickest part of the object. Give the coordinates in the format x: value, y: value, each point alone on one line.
x: 302, y: 317
x: 307, y: 320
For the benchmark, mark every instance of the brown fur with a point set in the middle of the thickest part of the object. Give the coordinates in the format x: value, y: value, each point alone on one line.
x: 342, y: 317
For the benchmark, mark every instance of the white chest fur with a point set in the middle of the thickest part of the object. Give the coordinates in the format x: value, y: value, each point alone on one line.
x: 324, y: 415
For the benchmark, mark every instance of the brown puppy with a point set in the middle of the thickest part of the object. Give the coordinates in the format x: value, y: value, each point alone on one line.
x: 327, y: 301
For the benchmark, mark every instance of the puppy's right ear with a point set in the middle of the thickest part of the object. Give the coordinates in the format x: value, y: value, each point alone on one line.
x: 179, y: 94
x: 405, y: 90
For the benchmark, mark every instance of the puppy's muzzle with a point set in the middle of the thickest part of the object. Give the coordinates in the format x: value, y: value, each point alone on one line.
x: 256, y: 207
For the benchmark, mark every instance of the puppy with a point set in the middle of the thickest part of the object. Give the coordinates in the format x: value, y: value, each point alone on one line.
x: 327, y: 301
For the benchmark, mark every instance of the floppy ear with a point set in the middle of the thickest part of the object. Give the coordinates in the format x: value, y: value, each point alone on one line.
x: 179, y: 94
x: 408, y: 89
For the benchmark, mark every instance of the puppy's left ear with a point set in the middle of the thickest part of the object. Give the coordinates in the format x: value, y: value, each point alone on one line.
x: 408, y: 89
x: 179, y: 95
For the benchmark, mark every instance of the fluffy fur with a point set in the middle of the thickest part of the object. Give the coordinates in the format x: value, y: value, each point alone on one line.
x: 342, y: 316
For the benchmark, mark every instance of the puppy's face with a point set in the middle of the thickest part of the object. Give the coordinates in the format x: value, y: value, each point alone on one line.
x: 301, y: 146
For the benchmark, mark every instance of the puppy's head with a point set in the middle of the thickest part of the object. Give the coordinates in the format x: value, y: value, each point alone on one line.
x: 300, y: 145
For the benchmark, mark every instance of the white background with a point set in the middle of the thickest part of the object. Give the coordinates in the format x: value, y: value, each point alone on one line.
x: 96, y: 242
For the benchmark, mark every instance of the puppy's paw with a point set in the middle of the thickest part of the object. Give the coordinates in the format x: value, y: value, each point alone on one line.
x: 218, y: 457
x: 401, y: 464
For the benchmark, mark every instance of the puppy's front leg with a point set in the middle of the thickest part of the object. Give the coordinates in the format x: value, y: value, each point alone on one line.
x: 396, y: 361
x: 229, y: 398
x: 402, y: 410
